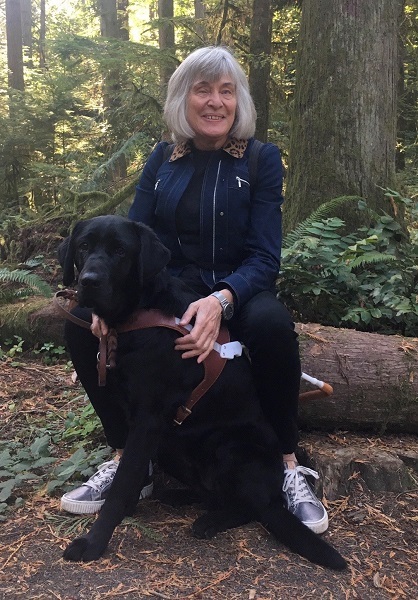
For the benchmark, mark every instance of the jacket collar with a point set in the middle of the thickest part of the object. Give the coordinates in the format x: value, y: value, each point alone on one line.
x: 233, y: 146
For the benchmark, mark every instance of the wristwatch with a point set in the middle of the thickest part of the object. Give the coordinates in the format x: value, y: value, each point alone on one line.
x: 227, y: 307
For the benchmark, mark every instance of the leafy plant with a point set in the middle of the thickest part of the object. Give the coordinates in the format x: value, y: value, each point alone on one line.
x: 79, y: 426
x: 19, y: 464
x: 366, y: 279
x: 21, y: 283
x: 50, y: 353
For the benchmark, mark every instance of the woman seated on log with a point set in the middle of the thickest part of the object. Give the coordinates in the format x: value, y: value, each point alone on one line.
x: 225, y: 239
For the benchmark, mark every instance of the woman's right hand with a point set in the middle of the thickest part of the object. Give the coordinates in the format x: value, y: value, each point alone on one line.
x: 98, y: 327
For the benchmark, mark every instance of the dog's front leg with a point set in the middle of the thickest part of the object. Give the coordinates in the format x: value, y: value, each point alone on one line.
x: 124, y: 493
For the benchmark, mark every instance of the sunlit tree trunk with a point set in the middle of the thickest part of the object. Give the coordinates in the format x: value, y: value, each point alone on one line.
x: 166, y: 38
x: 42, y: 34
x: 260, y: 51
x: 14, y: 44
x: 109, y: 26
x: 27, y: 38
x: 343, y: 129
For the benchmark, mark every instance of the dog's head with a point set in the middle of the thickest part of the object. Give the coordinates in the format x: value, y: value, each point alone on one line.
x: 115, y: 259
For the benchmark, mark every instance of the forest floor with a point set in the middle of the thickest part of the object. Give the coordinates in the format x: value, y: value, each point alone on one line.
x: 153, y: 554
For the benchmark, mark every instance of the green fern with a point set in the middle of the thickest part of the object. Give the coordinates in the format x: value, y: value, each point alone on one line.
x: 322, y: 212
x: 371, y: 258
x: 30, y: 280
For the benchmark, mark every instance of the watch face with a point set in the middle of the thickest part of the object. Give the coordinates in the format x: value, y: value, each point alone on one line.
x: 228, y: 311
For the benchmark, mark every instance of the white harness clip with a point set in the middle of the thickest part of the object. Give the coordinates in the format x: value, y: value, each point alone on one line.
x: 229, y: 350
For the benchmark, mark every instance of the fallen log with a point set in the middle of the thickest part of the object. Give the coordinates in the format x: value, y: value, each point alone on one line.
x: 374, y: 377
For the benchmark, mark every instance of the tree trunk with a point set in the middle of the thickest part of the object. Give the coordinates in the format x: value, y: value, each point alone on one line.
x: 27, y: 38
x: 375, y: 379
x: 343, y: 129
x: 166, y: 38
x: 14, y: 44
x: 109, y: 26
x: 42, y: 35
x: 260, y: 51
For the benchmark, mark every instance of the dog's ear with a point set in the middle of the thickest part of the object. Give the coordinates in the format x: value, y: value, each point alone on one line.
x: 66, y: 257
x: 153, y: 255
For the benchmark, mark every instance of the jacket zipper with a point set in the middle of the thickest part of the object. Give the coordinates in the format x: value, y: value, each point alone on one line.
x: 240, y: 181
x: 213, y: 220
x: 156, y: 184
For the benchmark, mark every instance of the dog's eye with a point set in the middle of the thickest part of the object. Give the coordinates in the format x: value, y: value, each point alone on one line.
x: 120, y: 251
x: 83, y: 246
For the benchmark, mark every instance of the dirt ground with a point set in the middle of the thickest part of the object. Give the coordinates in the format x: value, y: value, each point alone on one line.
x: 153, y: 554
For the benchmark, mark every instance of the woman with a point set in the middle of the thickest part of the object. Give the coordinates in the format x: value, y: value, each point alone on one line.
x: 225, y: 241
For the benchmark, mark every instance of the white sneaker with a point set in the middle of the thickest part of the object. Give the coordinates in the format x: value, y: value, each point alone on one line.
x: 301, y: 500
x: 90, y: 497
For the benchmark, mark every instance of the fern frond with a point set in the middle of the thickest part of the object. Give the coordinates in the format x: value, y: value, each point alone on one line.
x: 30, y: 280
x: 322, y: 212
x: 370, y: 258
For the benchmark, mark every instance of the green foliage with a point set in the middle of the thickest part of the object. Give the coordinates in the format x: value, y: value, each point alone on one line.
x: 13, y: 348
x: 366, y: 279
x: 21, y: 283
x: 80, y: 426
x: 20, y: 465
x: 81, y: 463
x: 50, y: 353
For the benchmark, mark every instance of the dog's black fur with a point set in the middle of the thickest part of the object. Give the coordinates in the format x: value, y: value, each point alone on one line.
x: 225, y: 451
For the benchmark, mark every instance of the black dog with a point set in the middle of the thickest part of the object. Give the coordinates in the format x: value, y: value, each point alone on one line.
x: 225, y: 451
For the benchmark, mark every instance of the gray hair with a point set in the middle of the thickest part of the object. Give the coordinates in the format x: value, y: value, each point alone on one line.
x: 211, y: 63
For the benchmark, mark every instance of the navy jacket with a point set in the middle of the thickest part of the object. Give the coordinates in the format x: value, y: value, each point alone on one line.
x: 240, y: 228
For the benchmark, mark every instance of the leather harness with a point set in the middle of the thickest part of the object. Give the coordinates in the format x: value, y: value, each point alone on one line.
x: 144, y: 319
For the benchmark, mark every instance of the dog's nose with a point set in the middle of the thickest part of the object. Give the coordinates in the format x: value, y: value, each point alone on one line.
x: 90, y: 279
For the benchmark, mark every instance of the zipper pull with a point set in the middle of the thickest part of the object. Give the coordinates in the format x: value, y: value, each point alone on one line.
x: 156, y: 184
x: 239, y: 181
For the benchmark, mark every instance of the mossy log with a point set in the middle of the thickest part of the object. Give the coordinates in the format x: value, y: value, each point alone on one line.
x: 374, y: 377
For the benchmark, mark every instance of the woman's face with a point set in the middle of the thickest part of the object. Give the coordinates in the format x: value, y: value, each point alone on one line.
x: 211, y: 111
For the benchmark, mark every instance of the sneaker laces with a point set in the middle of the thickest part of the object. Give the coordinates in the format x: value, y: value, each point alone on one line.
x: 103, y: 475
x: 296, y: 486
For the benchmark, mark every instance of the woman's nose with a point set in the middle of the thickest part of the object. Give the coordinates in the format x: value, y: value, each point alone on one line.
x: 215, y: 99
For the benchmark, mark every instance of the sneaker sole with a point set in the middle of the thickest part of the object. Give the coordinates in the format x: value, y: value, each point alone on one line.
x: 318, y: 526
x: 77, y: 507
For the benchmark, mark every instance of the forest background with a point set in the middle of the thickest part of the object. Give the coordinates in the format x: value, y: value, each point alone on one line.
x: 82, y: 85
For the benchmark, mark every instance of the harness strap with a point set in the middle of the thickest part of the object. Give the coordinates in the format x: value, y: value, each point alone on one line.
x: 213, y: 364
x: 144, y: 319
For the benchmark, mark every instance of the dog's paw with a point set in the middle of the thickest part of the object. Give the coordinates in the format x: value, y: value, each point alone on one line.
x: 205, y: 527
x: 82, y: 549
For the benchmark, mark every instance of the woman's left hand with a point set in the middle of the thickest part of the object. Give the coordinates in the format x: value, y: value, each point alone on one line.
x: 199, y: 342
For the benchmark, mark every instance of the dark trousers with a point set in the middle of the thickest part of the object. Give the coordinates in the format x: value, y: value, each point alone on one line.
x: 263, y: 325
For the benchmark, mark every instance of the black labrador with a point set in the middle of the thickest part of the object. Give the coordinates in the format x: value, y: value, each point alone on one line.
x: 224, y: 452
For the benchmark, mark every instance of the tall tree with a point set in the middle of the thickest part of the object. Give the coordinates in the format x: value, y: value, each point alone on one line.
x: 259, y: 73
x: 14, y: 44
x: 343, y: 129
x: 166, y: 37
x: 109, y: 26
x: 42, y: 34
x: 27, y: 39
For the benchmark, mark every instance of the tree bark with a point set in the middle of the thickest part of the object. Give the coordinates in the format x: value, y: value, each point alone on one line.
x: 14, y: 44
x: 260, y: 53
x: 343, y: 129
x: 375, y: 380
x: 166, y: 38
